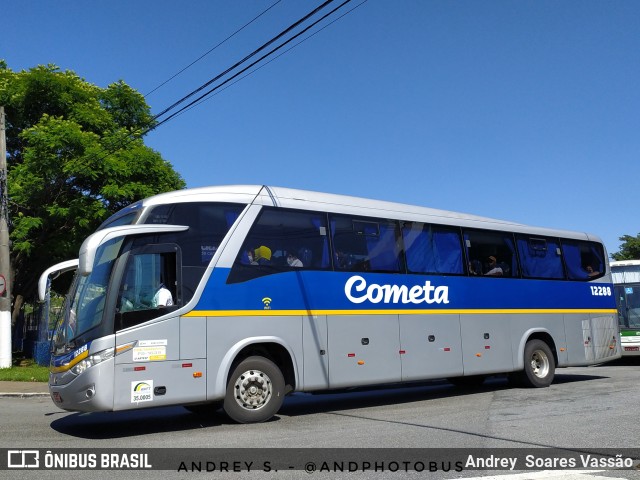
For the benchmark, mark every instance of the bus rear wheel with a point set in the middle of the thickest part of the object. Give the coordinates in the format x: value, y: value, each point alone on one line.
x: 539, y: 365
x: 255, y: 391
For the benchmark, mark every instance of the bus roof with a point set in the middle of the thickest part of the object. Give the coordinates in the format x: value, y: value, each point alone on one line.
x: 625, y: 271
x: 624, y: 263
x: 311, y: 200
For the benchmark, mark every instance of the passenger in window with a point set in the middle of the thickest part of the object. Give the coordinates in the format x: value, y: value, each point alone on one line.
x: 261, y: 256
x: 342, y: 260
x: 293, y: 260
x: 247, y: 257
x: 494, y: 269
x: 162, y: 298
x: 591, y: 272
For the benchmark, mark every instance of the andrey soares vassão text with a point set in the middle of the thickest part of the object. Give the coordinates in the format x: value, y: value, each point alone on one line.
x: 540, y: 461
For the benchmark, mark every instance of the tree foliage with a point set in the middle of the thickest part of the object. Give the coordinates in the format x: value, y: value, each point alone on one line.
x: 630, y: 248
x: 74, y: 157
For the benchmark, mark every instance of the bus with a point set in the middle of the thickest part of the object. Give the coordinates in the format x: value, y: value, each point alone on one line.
x: 625, y: 275
x: 268, y: 291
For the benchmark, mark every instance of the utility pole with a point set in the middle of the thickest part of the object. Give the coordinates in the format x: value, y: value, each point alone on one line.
x: 5, y: 262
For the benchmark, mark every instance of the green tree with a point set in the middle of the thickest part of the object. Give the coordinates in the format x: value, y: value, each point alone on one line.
x: 74, y: 157
x: 630, y: 248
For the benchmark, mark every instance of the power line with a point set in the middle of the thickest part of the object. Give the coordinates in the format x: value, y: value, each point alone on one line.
x: 209, y: 92
x: 185, y: 110
x: 252, y: 54
x: 212, y: 49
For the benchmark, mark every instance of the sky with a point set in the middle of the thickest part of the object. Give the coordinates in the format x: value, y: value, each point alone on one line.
x: 527, y: 111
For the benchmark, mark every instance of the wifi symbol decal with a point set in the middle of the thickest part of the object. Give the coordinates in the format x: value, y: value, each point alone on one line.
x: 267, y: 303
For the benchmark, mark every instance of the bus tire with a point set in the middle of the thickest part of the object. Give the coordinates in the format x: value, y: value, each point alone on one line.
x: 539, y: 365
x: 255, y: 391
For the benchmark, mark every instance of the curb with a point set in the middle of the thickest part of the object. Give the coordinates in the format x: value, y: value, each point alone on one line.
x: 24, y: 395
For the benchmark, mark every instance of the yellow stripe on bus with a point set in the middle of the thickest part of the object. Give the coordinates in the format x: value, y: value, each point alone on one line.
x: 489, y: 311
x: 67, y: 366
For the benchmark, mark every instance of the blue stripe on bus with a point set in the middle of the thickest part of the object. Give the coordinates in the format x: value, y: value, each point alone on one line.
x: 315, y: 290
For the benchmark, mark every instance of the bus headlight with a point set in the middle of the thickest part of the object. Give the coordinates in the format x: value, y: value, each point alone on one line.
x: 92, y: 360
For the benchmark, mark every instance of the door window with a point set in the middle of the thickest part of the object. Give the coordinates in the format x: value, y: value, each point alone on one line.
x: 149, y: 286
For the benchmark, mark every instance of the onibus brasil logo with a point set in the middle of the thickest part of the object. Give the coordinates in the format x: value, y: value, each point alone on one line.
x: 357, y: 291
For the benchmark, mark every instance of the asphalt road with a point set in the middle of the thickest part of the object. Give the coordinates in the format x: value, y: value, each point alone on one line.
x: 585, y: 410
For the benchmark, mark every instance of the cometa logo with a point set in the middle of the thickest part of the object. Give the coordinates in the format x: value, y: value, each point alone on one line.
x: 357, y: 291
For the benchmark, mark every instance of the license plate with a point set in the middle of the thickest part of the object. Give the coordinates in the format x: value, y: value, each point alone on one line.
x: 631, y: 349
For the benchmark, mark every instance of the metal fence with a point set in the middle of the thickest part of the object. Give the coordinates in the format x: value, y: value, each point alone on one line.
x: 33, y: 329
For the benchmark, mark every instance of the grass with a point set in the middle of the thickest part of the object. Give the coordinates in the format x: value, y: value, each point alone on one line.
x: 24, y: 370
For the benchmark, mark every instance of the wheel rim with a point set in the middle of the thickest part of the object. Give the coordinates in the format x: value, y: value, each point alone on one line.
x: 540, y: 364
x: 253, y: 389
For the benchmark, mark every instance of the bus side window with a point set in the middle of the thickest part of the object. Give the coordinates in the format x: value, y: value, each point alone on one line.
x: 583, y: 260
x: 365, y: 244
x: 149, y: 287
x: 495, y: 251
x: 540, y: 257
x: 283, y: 240
x: 432, y: 249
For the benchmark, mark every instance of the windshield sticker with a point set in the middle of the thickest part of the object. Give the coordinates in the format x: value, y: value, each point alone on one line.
x: 150, y: 354
x: 152, y: 343
x: 207, y: 252
x: 142, y: 391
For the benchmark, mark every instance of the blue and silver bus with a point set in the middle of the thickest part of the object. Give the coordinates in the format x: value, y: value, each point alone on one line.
x: 625, y: 275
x: 236, y: 296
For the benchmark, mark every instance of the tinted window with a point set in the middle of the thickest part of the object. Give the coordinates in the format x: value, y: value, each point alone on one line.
x: 628, y: 301
x: 491, y: 253
x: 540, y: 257
x: 128, y: 219
x: 283, y: 240
x: 208, y: 224
x: 583, y: 260
x: 365, y: 244
x: 150, y: 285
x: 432, y: 249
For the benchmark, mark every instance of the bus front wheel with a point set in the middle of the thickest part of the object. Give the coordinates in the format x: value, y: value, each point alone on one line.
x: 539, y: 365
x: 255, y: 391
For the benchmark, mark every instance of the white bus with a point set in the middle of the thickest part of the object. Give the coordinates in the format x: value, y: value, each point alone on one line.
x: 625, y: 275
x: 239, y: 295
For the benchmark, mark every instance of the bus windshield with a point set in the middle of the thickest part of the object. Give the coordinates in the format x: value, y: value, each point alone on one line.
x: 85, y: 304
x: 126, y: 216
x: 628, y: 297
